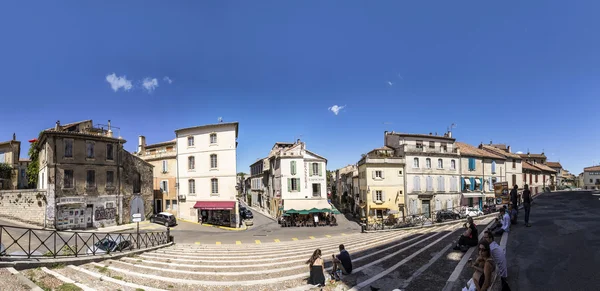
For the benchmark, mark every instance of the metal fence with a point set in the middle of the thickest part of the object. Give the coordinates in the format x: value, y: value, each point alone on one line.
x: 20, y: 242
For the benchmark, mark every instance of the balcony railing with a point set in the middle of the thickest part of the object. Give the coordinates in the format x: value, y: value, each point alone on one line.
x: 428, y: 149
x: 158, y: 155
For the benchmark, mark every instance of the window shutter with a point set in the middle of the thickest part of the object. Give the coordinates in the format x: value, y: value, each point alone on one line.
x: 449, y: 204
x: 382, y: 174
x: 374, y: 195
x: 481, y: 184
x: 491, y: 184
x: 416, y: 183
x: 493, y: 167
x: 289, y: 184
x: 373, y: 174
x: 462, y: 184
x: 310, y: 170
x: 472, y: 180
x: 320, y: 169
x: 438, y: 205
x: 383, y: 196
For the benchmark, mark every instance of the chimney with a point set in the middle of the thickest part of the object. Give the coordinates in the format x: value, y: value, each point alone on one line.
x: 298, y: 141
x: 490, y: 142
x: 385, y: 132
x: 57, y: 125
x: 14, y: 136
x: 509, y: 149
x: 141, y: 144
x: 430, y: 133
x: 109, y: 133
x: 450, y: 134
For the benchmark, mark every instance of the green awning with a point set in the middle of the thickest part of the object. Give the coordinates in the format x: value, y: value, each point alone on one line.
x: 326, y: 210
x: 303, y: 212
x: 314, y: 210
x: 285, y: 214
x: 292, y: 211
x: 335, y: 211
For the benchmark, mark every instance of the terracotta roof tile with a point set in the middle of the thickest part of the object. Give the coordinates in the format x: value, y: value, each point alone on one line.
x: 541, y: 156
x: 469, y: 150
x: 592, y: 169
x: 530, y: 167
x: 544, y: 168
x: 501, y: 152
x: 554, y: 165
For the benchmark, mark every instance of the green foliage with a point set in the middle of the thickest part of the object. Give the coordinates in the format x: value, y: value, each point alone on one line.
x: 5, y: 171
x: 68, y: 287
x: 34, y: 166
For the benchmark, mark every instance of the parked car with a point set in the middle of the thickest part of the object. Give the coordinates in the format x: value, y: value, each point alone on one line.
x: 243, y: 212
x: 164, y: 218
x: 472, y: 212
x: 110, y: 245
x: 444, y: 215
x: 248, y: 215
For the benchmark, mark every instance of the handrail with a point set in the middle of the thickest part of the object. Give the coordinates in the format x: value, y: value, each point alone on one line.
x: 22, y: 242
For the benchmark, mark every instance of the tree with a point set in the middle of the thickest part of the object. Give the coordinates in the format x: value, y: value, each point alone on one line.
x: 5, y: 171
x: 33, y: 168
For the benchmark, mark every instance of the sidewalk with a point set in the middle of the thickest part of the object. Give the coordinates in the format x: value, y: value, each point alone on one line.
x: 261, y: 211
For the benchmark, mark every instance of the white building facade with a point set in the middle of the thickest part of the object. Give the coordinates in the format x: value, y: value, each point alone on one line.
x: 206, y: 173
x: 431, y: 173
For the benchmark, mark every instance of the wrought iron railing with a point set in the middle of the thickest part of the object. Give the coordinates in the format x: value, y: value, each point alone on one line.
x: 20, y: 242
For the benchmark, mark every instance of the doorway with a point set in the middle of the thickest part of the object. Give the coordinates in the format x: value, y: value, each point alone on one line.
x: 158, y: 204
x: 89, y: 210
x: 426, y: 208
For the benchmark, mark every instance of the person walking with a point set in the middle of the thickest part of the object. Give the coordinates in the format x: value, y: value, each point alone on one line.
x: 527, y: 204
x: 514, y: 199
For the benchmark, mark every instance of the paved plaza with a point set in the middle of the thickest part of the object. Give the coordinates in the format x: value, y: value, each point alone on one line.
x: 557, y: 253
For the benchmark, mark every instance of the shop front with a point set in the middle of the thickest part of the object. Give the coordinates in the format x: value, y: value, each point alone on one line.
x: 220, y: 213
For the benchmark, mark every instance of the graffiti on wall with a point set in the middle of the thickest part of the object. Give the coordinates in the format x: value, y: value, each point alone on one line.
x: 102, y: 213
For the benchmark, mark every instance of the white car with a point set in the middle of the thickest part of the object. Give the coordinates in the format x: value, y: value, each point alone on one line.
x: 109, y: 245
x: 473, y: 212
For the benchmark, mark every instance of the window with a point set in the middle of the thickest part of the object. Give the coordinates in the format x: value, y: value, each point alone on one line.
x: 441, y: 184
x: 440, y: 164
x: 493, y: 167
x: 191, y: 163
x: 22, y: 173
x: 514, y: 179
x: 316, y: 190
x: 68, y: 179
x: 164, y: 186
x: 514, y: 162
x: 213, y: 138
x: 68, y: 148
x: 293, y: 184
x: 378, y: 174
x: 174, y: 204
x: 419, y: 144
x: 416, y: 163
x: 90, y: 179
x: 315, y: 169
x: 431, y: 144
x: 428, y: 163
x: 165, y: 166
x: 110, y: 178
x: 293, y: 167
x: 536, y: 178
x: 109, y: 152
x: 213, y: 161
x: 168, y: 205
x: 453, y: 164
x: 90, y: 150
x: 399, y: 172
x: 429, y: 181
x: 192, y: 186
x: 416, y: 184
x: 190, y: 141
x: 472, y: 164
x: 214, y: 186
x: 378, y: 195
x: 444, y: 147
x: 524, y: 177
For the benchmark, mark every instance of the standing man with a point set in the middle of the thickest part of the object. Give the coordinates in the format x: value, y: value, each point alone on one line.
x: 527, y: 204
x: 499, y: 257
x: 514, y: 199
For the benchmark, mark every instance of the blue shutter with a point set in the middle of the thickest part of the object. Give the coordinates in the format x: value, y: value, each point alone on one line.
x: 462, y: 184
x: 493, y: 167
x: 491, y: 184
x: 471, y: 164
x: 1, y: 157
x: 472, y: 183
x: 481, y: 184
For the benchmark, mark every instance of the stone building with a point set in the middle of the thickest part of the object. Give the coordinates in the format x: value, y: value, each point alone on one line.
x: 9, y: 155
x: 163, y: 156
x: 90, y: 180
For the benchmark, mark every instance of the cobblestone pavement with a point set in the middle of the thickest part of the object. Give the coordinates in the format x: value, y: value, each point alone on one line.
x: 388, y: 261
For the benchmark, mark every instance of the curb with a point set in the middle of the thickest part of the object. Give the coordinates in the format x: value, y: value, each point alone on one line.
x: 216, y: 226
x: 34, y: 263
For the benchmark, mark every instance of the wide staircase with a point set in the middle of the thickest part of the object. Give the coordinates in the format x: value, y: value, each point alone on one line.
x: 417, y: 259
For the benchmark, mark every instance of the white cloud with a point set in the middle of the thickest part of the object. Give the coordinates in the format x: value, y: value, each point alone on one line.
x: 117, y: 83
x: 390, y: 83
x: 519, y: 152
x: 336, y: 109
x: 167, y: 79
x: 150, y: 84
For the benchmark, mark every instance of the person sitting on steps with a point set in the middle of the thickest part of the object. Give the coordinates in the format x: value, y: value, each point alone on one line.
x: 469, y: 237
x: 341, y: 262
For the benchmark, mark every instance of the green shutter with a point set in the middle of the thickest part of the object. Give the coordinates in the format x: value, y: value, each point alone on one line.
x: 298, y: 183
x: 310, y: 169
x: 320, y: 169
x: 293, y: 167
x: 289, y: 185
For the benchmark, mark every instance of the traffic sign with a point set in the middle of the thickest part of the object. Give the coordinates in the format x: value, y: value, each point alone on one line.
x: 137, y: 215
x: 137, y: 219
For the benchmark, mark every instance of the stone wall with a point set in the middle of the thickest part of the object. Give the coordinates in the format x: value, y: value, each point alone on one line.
x: 137, y: 184
x: 24, y: 205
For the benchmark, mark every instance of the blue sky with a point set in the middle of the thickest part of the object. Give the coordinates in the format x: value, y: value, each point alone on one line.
x: 520, y: 72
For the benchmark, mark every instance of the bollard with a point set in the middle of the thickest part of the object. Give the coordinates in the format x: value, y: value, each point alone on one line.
x: 169, y: 234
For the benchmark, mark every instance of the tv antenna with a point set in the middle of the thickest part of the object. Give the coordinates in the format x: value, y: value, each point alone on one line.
x: 220, y: 119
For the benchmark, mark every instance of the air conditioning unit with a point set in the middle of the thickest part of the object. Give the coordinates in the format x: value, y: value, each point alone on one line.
x: 181, y: 197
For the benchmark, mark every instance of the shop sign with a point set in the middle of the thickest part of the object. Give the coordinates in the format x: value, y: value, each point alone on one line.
x: 305, y: 175
x: 71, y: 200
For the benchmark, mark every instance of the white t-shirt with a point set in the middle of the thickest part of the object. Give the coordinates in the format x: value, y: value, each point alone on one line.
x: 506, y: 222
x: 500, y: 259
